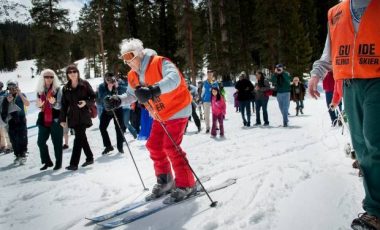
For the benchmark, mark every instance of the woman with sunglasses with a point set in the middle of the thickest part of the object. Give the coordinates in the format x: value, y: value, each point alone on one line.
x: 13, y: 111
x: 48, y: 100
x: 158, y: 84
x: 78, y: 96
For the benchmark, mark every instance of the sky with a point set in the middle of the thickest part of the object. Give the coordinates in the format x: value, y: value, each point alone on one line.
x: 74, y: 7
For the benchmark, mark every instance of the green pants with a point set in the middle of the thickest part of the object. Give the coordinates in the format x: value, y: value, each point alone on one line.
x: 362, y: 105
x: 56, y: 132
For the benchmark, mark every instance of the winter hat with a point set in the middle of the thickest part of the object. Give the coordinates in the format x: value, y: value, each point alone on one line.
x: 12, y: 83
x: 279, y: 65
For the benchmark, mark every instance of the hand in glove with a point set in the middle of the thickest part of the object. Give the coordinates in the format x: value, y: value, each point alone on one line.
x: 143, y: 94
x: 111, y: 102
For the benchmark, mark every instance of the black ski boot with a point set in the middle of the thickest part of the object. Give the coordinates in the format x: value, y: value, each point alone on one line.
x: 164, y: 185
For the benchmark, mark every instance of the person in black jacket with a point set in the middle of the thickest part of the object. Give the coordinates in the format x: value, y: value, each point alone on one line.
x: 244, y: 89
x: 78, y: 96
x: 49, y: 101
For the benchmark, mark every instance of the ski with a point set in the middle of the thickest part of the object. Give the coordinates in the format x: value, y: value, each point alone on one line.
x: 131, y: 206
x: 148, y: 212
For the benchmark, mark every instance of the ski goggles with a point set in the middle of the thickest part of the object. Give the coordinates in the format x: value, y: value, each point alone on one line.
x: 129, y: 57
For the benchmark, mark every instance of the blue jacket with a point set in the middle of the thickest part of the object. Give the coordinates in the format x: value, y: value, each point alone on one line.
x: 206, y: 91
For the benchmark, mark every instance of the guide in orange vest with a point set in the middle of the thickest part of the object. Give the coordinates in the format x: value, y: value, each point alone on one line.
x: 352, y: 52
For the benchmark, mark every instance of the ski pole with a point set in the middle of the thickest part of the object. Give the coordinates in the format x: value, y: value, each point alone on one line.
x: 157, y: 117
x: 342, y: 119
x: 129, y: 150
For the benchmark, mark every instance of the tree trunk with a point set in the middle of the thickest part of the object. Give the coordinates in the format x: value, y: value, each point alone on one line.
x: 189, y: 35
x: 101, y: 38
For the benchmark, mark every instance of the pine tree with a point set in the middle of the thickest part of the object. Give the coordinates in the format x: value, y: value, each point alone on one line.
x: 51, y: 28
x: 88, y: 33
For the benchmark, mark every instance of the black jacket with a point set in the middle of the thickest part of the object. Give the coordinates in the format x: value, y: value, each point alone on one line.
x: 70, y: 97
x: 245, y: 90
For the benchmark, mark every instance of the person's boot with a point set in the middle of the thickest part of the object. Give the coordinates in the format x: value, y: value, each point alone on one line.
x: 179, y: 194
x: 355, y: 165
x: 107, y: 150
x: 297, y: 110
x: 301, y: 110
x: 366, y: 222
x: 164, y: 185
x: 90, y: 162
x: 46, y: 166
x: 72, y: 168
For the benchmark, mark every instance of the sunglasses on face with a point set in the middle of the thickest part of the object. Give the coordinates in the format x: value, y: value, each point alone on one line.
x: 129, y: 57
x: 48, y: 77
x: 72, y: 71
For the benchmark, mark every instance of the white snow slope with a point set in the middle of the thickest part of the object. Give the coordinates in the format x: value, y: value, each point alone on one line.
x: 294, y: 178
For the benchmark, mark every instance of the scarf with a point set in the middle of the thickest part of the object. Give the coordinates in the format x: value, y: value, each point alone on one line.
x: 47, y: 108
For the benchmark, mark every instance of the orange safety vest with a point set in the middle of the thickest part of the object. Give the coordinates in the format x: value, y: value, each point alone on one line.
x: 167, y: 104
x: 355, y: 55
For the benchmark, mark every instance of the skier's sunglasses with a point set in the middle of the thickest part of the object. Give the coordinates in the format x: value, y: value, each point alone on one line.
x: 129, y: 57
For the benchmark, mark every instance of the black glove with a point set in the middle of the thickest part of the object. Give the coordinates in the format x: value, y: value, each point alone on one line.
x: 111, y: 102
x: 143, y: 94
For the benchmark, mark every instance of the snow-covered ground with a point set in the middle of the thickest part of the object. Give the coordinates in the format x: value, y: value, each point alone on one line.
x: 294, y: 178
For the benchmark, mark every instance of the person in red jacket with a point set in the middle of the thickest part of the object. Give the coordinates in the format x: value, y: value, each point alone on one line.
x: 154, y: 81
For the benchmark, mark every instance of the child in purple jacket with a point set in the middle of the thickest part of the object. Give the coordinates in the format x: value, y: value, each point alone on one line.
x: 218, y: 106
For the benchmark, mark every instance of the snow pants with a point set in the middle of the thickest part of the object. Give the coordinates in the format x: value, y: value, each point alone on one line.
x: 165, y: 155
x: 18, y: 135
x: 105, y: 119
x: 56, y: 133
x: 362, y: 104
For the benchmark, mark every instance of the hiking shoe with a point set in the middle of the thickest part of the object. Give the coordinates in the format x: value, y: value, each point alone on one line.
x: 6, y: 151
x: 266, y: 124
x: 87, y: 163
x: 355, y: 165
x: 179, y: 194
x: 65, y: 147
x: 121, y: 150
x: 107, y: 150
x: 56, y: 167
x: 72, y: 168
x: 22, y: 160
x: 366, y: 222
x: 164, y: 185
x: 46, y: 166
x: 17, y: 161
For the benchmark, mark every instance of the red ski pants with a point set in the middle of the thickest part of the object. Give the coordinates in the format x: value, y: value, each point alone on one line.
x: 165, y: 155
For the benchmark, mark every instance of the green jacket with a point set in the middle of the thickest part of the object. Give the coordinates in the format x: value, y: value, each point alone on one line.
x: 281, y: 82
